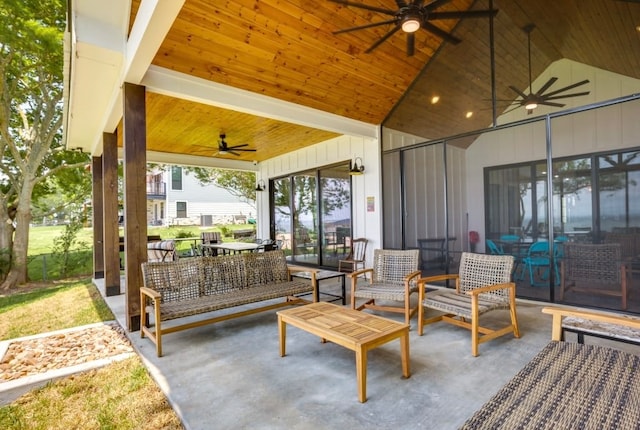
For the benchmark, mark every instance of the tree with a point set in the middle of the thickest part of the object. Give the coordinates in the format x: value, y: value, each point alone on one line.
x: 31, y: 147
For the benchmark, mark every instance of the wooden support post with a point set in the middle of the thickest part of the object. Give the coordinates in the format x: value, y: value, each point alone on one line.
x: 110, y: 213
x: 135, y: 197
x: 97, y: 218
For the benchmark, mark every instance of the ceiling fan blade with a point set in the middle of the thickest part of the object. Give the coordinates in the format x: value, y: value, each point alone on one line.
x: 462, y: 14
x: 234, y: 148
x: 401, y: 4
x: 411, y: 44
x: 517, y: 91
x: 440, y: 33
x: 546, y: 103
x: 511, y: 110
x: 362, y: 27
x: 238, y: 146
x: 383, y: 39
x: 546, y: 86
x: 564, y: 96
x: 364, y: 6
x: 568, y: 87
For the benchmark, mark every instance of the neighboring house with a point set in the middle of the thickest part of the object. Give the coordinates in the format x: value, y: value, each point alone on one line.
x: 175, y: 197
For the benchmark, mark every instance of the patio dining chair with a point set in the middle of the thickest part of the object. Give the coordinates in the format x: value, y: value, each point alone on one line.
x: 356, y: 256
x: 393, y: 279
x: 483, y: 284
x: 537, y: 264
x: 493, y: 248
x: 210, y: 238
x: 164, y: 250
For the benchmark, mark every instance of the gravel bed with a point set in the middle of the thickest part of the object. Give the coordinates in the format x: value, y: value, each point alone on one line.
x: 42, y: 354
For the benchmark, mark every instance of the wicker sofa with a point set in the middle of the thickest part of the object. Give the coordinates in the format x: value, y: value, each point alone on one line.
x: 192, y: 286
x: 569, y: 385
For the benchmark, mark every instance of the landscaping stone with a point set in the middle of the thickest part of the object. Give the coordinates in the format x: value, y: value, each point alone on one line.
x: 43, y: 353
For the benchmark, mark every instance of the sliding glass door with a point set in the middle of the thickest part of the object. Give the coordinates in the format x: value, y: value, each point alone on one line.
x: 311, y: 213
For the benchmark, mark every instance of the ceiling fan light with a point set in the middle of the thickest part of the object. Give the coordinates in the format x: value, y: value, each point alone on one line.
x: 411, y: 23
x: 531, y: 106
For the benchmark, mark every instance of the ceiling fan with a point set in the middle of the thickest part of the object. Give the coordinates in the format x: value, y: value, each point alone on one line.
x: 224, y: 148
x: 533, y: 100
x: 411, y: 16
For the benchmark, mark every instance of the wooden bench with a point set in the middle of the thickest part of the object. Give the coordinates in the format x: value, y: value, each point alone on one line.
x: 569, y: 385
x: 193, y: 286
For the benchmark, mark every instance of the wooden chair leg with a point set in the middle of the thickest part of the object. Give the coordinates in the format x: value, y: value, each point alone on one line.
x: 474, y: 325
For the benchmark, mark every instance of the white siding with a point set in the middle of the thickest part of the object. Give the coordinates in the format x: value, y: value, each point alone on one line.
x: 611, y: 128
x: 201, y: 200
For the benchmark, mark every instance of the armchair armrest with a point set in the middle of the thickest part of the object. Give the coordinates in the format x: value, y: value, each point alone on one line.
x: 151, y: 293
x: 494, y: 287
x: 293, y: 269
x: 355, y: 274
x: 422, y: 282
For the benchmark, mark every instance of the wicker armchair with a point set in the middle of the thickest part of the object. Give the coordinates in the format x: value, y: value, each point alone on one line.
x: 594, y: 269
x: 393, y: 278
x: 483, y: 284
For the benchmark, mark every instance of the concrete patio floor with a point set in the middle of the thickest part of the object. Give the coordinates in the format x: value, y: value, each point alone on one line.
x: 230, y: 376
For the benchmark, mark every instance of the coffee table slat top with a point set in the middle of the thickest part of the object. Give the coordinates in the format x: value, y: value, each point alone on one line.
x: 341, y: 325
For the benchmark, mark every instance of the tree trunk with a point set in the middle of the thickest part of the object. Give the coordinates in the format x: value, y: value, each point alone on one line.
x: 18, y: 273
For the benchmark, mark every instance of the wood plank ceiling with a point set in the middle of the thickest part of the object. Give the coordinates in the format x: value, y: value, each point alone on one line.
x: 286, y: 49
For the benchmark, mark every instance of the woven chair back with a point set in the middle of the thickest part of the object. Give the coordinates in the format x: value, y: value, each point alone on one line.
x: 481, y: 270
x: 391, y: 266
x: 255, y: 262
x: 587, y: 262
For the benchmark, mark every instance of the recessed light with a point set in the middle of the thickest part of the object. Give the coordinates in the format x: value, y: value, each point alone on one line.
x: 469, y: 114
x: 435, y: 99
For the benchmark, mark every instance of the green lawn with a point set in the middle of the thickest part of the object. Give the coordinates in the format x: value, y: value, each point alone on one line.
x: 44, y: 266
x: 118, y: 396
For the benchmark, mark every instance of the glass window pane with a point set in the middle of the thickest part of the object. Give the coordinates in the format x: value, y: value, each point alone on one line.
x: 281, y: 197
x: 335, y: 195
x: 305, y: 218
x: 181, y: 209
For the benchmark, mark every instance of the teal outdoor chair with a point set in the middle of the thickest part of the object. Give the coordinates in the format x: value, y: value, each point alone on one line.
x: 538, y: 261
x: 493, y: 248
x: 510, y: 238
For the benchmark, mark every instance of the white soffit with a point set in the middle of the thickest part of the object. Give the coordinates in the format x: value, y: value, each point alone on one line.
x: 196, y: 161
x: 102, y: 59
x: 96, y: 60
x: 152, y: 23
x: 183, y: 86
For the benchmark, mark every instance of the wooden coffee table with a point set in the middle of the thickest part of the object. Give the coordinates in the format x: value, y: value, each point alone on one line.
x: 355, y: 330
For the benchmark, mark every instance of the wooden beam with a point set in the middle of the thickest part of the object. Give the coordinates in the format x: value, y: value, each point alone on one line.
x: 135, y: 198
x: 97, y: 218
x: 110, y: 214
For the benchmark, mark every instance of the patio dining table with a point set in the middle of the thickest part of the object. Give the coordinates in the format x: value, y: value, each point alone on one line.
x: 233, y: 247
